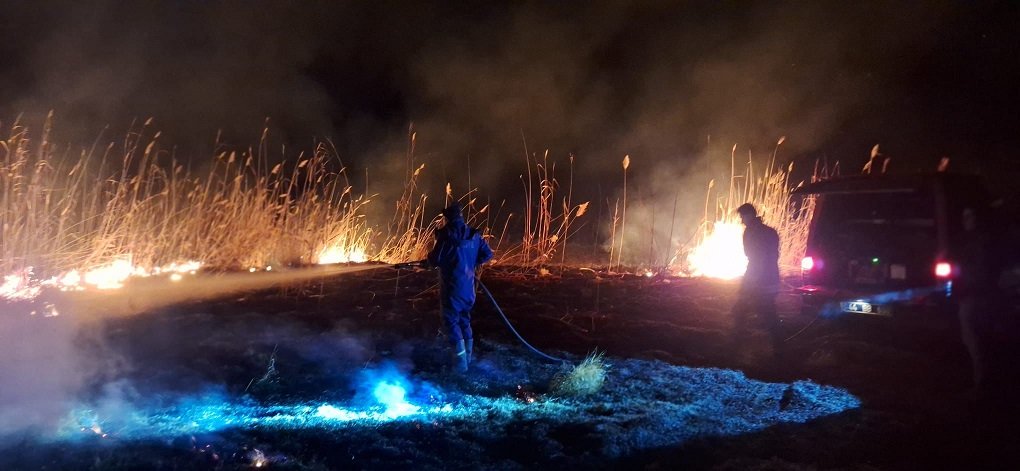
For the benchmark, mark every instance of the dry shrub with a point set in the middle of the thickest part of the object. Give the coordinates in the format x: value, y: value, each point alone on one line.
x: 584, y: 379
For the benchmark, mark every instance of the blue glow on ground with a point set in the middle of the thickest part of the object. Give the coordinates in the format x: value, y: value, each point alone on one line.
x: 643, y: 405
x: 211, y: 414
x: 391, y: 395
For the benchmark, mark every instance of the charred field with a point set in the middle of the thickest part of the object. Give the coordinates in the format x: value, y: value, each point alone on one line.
x: 352, y: 372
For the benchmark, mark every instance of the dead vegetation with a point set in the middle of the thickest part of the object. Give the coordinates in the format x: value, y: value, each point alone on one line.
x: 584, y: 379
x: 769, y: 191
x: 135, y: 200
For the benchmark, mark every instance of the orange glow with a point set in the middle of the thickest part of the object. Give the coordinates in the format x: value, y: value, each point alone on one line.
x: 721, y: 253
x: 18, y: 286
x: 112, y: 275
x: 335, y: 254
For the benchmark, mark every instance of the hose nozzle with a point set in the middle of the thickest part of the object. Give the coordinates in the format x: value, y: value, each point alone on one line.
x: 411, y: 265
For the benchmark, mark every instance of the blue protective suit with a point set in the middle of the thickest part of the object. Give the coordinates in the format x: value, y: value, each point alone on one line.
x: 459, y: 250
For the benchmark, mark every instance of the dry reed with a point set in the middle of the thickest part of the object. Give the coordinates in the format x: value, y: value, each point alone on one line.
x: 769, y: 191
x: 543, y: 229
x: 135, y: 201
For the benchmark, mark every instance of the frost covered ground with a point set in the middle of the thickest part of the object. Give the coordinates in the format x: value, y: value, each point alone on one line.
x: 350, y: 372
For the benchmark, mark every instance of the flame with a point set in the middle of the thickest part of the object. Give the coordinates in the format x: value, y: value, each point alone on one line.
x: 338, y: 254
x: 721, y: 253
x: 18, y: 286
x: 190, y: 267
x: 50, y: 310
x: 24, y: 286
x: 111, y: 276
x: 114, y: 274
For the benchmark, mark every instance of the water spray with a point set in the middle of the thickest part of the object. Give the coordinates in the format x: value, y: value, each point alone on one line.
x: 145, y: 294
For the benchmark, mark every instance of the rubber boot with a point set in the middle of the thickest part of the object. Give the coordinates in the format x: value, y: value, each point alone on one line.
x: 460, y: 357
x: 469, y: 346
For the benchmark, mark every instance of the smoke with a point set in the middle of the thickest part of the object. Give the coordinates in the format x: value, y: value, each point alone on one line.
x: 40, y: 366
x: 641, y: 77
x: 195, y: 68
x: 390, y: 385
x: 149, y: 294
x: 484, y: 84
x: 54, y: 365
x: 653, y: 80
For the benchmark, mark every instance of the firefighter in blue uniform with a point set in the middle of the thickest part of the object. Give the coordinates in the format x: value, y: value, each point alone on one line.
x: 458, y: 252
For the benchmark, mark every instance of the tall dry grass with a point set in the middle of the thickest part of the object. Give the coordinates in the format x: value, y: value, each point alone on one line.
x: 61, y: 211
x: 547, y: 222
x: 410, y: 231
x: 623, y: 217
x: 769, y: 191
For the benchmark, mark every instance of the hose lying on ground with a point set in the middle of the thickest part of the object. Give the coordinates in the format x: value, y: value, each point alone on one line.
x: 421, y: 264
x: 512, y: 329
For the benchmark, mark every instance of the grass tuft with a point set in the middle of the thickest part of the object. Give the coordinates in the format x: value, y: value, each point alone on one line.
x: 584, y: 379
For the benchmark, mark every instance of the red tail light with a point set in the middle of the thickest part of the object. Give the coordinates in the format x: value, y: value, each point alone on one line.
x: 943, y: 269
x: 807, y: 263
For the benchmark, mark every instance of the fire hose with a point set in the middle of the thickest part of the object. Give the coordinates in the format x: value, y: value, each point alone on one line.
x: 512, y: 329
x: 499, y: 310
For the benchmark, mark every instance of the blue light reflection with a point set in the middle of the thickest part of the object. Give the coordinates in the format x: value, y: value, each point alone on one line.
x: 644, y: 404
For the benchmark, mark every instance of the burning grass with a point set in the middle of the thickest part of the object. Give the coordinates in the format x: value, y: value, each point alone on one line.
x: 132, y: 209
x: 717, y: 251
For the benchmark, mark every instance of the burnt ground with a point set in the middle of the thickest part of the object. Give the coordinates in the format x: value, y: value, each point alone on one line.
x: 679, y: 392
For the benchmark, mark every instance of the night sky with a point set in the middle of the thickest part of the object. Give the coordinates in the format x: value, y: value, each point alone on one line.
x: 667, y: 82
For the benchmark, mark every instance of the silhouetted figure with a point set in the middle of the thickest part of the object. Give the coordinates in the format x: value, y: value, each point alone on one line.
x: 758, y: 289
x: 977, y: 288
x: 459, y: 250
